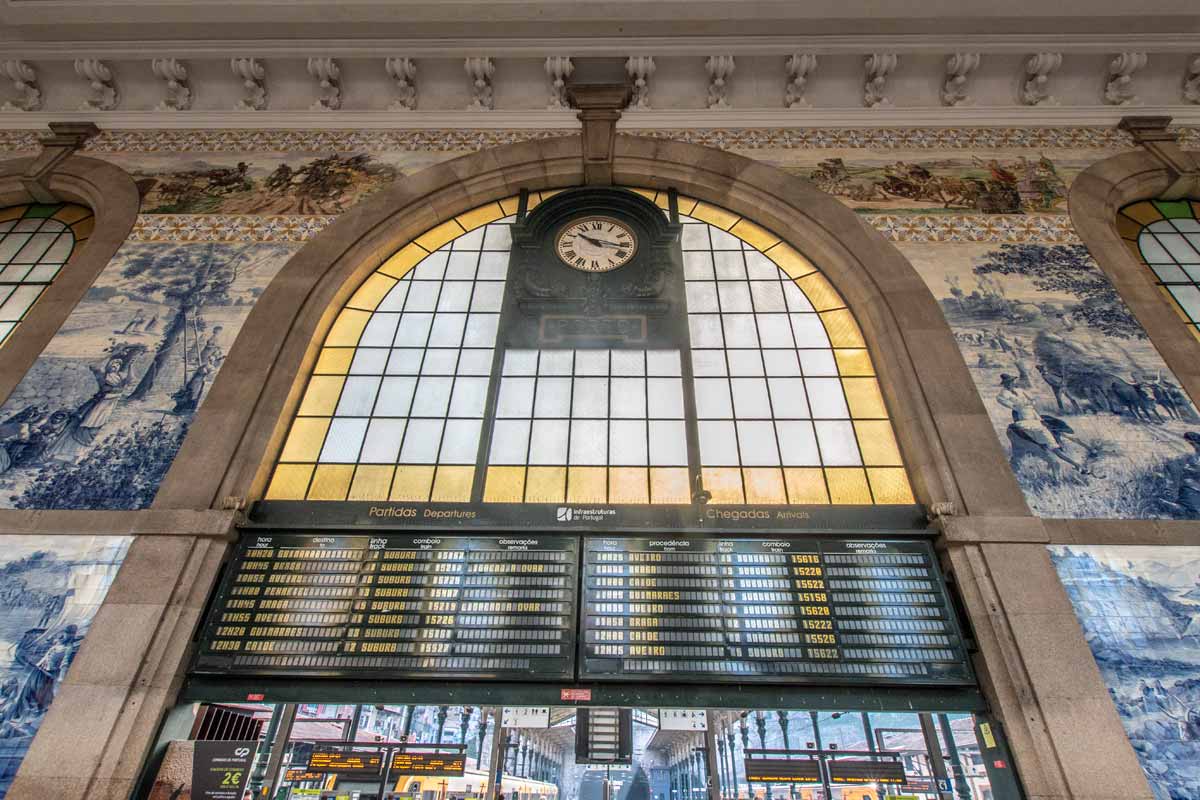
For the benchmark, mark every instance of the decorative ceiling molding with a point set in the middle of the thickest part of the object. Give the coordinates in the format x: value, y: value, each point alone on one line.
x: 975, y: 117
x: 621, y: 46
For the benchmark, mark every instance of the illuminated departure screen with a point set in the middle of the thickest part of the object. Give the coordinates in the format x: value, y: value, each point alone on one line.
x: 405, y: 763
x: 402, y: 605
x: 323, y: 761
x: 795, y: 610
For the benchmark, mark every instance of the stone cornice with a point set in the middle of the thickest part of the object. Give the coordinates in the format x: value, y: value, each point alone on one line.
x: 565, y: 121
x: 602, y: 46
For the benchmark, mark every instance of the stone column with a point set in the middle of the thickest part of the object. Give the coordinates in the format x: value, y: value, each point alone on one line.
x: 97, y: 735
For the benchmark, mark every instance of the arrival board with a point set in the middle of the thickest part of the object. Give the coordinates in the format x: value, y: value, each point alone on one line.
x: 416, y: 606
x: 795, y: 610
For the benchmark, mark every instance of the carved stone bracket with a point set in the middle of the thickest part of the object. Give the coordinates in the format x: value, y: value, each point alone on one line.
x: 559, y: 69
x: 480, y: 71
x: 1183, y: 170
x: 720, y: 68
x: 404, y: 72
x: 799, y: 67
x: 878, y: 67
x: 1119, y: 91
x: 64, y: 139
x: 179, y: 93
x: 599, y: 109
x: 639, y: 69
x: 958, y: 68
x: 1191, y: 82
x: 253, y: 76
x: 328, y: 76
x: 1038, y: 69
x: 24, y: 80
x: 102, y: 83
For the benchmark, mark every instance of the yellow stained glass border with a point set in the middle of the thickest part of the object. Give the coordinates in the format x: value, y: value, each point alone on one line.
x: 612, y: 485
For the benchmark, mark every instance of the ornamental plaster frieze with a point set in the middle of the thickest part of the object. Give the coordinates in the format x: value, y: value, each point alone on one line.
x: 464, y: 139
x: 914, y: 229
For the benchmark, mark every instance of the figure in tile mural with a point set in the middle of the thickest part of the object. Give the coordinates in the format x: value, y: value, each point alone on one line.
x: 100, y: 416
x: 1140, y: 612
x: 50, y: 589
x: 1094, y: 423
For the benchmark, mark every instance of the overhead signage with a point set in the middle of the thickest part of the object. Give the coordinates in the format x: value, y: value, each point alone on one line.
x: 548, y: 517
x: 396, y: 605
x: 857, y: 771
x: 220, y: 769
x: 575, y: 695
x: 682, y: 719
x: 526, y: 717
x: 695, y: 608
x: 356, y: 762
x: 300, y: 774
x: 782, y: 770
x: 430, y: 764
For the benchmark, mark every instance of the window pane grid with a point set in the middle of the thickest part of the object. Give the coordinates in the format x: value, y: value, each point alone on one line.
x: 36, y: 241
x: 788, y: 403
x: 763, y: 359
x: 409, y: 404
x: 571, y: 423
x: 1166, y: 237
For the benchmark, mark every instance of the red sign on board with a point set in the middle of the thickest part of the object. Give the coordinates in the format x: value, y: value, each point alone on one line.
x: 256, y: 698
x: 576, y: 694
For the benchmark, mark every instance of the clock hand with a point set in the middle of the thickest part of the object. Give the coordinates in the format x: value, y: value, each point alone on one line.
x: 598, y: 242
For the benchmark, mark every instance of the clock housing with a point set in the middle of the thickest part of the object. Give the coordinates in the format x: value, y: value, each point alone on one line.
x: 632, y: 297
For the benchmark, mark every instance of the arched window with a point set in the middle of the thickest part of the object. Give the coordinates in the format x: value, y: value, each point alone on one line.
x: 1165, y: 235
x: 36, y: 241
x: 773, y: 400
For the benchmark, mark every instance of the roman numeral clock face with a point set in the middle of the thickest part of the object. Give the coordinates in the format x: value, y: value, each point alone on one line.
x: 596, y: 244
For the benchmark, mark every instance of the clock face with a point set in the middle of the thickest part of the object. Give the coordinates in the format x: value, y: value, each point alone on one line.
x: 596, y: 244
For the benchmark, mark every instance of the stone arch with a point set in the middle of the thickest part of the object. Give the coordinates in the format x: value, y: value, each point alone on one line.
x: 1096, y: 196
x: 113, y: 197
x: 947, y: 440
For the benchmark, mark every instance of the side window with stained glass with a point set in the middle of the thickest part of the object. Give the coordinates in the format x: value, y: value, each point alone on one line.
x: 410, y: 400
x: 1165, y: 236
x: 36, y: 242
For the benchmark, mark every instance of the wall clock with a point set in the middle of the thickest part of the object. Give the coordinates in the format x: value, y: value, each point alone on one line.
x: 596, y: 244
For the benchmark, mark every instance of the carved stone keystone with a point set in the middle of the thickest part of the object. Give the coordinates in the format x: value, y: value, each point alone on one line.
x: 1152, y: 134
x: 599, y: 107
x: 64, y: 139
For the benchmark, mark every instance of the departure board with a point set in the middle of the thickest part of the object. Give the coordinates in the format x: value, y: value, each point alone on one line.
x: 414, y: 606
x: 437, y: 764
x: 344, y: 761
x: 794, y: 610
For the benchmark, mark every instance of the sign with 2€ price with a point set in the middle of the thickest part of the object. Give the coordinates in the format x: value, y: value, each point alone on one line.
x: 220, y: 769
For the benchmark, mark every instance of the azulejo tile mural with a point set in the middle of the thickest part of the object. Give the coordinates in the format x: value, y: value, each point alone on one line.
x: 1140, y: 612
x: 50, y: 589
x: 265, y: 183
x: 98, y: 419
x: 1094, y: 423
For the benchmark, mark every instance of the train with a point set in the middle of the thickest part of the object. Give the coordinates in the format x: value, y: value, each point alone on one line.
x: 471, y: 785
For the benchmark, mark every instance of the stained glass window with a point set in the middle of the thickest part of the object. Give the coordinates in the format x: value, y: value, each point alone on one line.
x: 1165, y: 235
x: 776, y: 391
x: 36, y: 241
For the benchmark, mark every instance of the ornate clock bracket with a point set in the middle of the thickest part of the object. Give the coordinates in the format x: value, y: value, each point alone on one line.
x: 599, y: 107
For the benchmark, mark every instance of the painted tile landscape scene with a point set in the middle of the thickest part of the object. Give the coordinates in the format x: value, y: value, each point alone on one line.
x: 254, y: 183
x: 1140, y: 612
x: 1094, y: 423
x: 50, y: 589
x: 1016, y: 181
x: 98, y: 419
